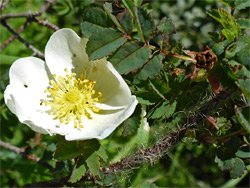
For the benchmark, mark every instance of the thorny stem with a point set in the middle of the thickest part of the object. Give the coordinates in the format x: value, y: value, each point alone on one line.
x: 153, y: 153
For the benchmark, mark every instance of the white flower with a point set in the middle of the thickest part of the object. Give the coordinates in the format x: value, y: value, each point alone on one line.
x: 68, y: 94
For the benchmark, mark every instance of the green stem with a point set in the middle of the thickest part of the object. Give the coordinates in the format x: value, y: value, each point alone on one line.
x: 230, y: 135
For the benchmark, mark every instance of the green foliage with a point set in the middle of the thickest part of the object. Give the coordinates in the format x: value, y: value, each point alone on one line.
x: 156, y: 47
x: 99, y: 46
x: 231, y: 28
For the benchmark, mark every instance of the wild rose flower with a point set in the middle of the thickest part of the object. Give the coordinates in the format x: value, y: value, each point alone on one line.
x: 68, y: 94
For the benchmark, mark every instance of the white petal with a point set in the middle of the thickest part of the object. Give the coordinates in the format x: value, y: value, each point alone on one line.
x: 114, y: 89
x: 102, y: 125
x: 29, y: 72
x: 65, y: 49
x: 28, y: 80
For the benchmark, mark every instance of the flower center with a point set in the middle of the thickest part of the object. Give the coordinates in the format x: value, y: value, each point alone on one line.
x: 71, y: 98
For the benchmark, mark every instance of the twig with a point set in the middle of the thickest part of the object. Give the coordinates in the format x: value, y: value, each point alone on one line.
x: 46, y: 24
x: 3, y: 5
x: 11, y: 147
x: 13, y: 37
x: 155, y: 152
x: 30, y: 46
x: 23, y: 152
x: 28, y: 14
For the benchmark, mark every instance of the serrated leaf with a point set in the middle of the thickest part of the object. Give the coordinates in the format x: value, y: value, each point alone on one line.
x: 78, y: 171
x: 68, y: 150
x: 101, y: 152
x: 225, y: 165
x: 238, y: 169
x: 228, y: 3
x: 108, y: 9
x: 170, y: 110
x: 241, y: 43
x: 130, y: 57
x: 131, y: 124
x: 243, y: 154
x: 126, y: 21
x: 244, y: 23
x: 159, y: 87
x: 243, y: 115
x: 231, y: 28
x: 93, y: 164
x: 242, y: 4
x: 166, y: 26
x: 143, y: 130
x: 94, y: 20
x: 144, y: 23
x: 151, y: 68
x: 243, y: 57
x: 219, y: 48
x: 214, y: 36
x: 244, y: 85
x: 147, y: 98
x: 161, y: 111
x: 129, y: 4
x: 99, y: 46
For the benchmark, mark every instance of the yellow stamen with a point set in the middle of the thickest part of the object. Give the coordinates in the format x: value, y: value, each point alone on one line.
x: 71, y: 98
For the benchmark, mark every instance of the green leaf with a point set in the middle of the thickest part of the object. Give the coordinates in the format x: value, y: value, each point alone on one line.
x: 243, y: 23
x: 164, y: 110
x: 159, y: 87
x: 231, y: 28
x: 144, y: 23
x: 126, y: 21
x: 147, y: 98
x: 94, y: 20
x: 148, y: 185
x: 242, y: 4
x: 243, y: 57
x: 108, y: 9
x: 170, y: 110
x: 138, y: 3
x: 166, y: 26
x: 78, y: 171
x: 219, y: 48
x: 243, y: 154
x: 143, y: 130
x: 93, y: 164
x: 129, y: 5
x: 241, y: 43
x: 225, y: 165
x: 244, y: 85
x: 101, y: 152
x: 68, y: 150
x: 151, y: 68
x: 132, y: 124
x: 228, y: 3
x: 214, y: 36
x: 243, y: 115
x: 99, y: 46
x: 238, y: 169
x: 130, y: 57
